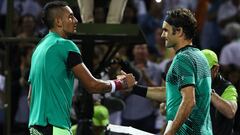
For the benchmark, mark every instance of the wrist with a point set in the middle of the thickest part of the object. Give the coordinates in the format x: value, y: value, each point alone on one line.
x: 118, y: 84
x: 139, y: 90
x: 113, y: 85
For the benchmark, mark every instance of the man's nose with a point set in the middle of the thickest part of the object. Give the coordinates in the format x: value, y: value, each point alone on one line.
x: 75, y: 19
x: 163, y: 35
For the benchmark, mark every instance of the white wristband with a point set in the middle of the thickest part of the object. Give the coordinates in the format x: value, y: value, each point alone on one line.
x: 113, y: 86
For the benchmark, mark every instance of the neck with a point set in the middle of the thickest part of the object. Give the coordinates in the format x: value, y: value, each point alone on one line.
x: 182, y: 44
x: 59, y: 32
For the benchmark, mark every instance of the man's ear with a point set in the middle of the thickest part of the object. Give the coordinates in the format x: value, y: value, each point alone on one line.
x: 180, y: 31
x: 58, y: 21
x: 215, y: 70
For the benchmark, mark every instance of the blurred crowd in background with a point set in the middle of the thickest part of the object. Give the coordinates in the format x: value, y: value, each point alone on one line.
x: 218, y: 30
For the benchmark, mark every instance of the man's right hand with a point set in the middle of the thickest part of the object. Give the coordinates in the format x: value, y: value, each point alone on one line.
x: 128, y: 80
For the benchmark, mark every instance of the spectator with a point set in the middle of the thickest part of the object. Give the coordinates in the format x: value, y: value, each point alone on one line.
x: 228, y: 12
x: 223, y: 98
x: 115, y: 13
x: 210, y: 36
x: 151, y: 76
x: 100, y: 121
x: 230, y: 53
x: 149, y: 21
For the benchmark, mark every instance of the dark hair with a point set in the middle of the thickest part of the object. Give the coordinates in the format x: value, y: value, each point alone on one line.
x: 182, y: 18
x: 48, y: 15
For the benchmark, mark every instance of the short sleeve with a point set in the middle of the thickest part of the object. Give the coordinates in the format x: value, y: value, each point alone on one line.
x: 230, y: 93
x: 67, y: 46
x: 71, y: 46
x: 185, y: 71
x: 68, y: 52
x: 73, y: 59
x: 72, y: 53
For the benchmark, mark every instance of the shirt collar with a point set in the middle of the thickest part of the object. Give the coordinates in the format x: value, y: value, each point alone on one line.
x: 184, y: 48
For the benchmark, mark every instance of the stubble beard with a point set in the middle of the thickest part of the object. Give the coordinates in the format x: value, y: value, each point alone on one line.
x: 168, y: 45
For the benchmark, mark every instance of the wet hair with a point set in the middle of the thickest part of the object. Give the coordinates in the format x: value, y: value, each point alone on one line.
x: 182, y: 18
x: 49, y: 12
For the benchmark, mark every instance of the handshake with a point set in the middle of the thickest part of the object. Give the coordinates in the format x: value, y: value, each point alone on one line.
x: 124, y: 81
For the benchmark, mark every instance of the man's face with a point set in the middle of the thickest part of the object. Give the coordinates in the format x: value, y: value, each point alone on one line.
x: 214, y: 71
x: 140, y: 51
x: 69, y: 22
x: 160, y: 41
x: 169, y: 35
x: 28, y: 23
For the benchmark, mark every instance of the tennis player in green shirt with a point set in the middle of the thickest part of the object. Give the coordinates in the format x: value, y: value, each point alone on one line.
x: 188, y: 80
x: 55, y: 62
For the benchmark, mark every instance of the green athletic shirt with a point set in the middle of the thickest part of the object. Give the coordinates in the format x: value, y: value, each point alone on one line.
x: 51, y: 82
x: 190, y: 68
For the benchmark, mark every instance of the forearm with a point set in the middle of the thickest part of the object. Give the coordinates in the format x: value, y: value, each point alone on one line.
x: 94, y: 85
x: 227, y: 108
x: 153, y: 93
x: 156, y: 93
x: 183, y: 113
x: 99, y: 86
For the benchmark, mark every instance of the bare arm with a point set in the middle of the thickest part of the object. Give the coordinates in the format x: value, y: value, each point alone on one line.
x: 184, y: 110
x: 156, y: 93
x: 94, y: 85
x: 153, y: 93
x: 227, y: 108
